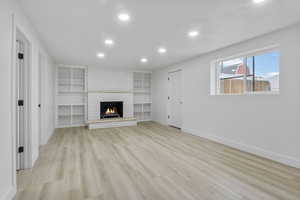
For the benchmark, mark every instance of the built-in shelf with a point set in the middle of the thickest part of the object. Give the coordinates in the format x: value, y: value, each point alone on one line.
x: 142, y: 96
x: 71, y: 92
x: 80, y: 104
x: 110, y: 91
x: 71, y: 96
x: 136, y: 103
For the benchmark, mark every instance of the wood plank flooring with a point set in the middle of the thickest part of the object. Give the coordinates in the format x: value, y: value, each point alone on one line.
x: 151, y: 162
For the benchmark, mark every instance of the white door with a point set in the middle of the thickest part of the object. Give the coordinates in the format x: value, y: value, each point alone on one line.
x: 174, y: 98
x: 20, y: 106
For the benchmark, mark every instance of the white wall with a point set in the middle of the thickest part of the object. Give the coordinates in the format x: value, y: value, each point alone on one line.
x: 7, y: 88
x: 104, y: 79
x: 48, y: 100
x: 6, y: 177
x: 100, y: 79
x: 263, y: 124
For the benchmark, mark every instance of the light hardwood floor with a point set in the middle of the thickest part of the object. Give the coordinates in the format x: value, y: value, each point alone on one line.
x: 151, y: 162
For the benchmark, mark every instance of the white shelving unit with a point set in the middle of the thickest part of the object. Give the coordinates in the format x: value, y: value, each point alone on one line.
x: 142, y: 96
x: 71, y: 94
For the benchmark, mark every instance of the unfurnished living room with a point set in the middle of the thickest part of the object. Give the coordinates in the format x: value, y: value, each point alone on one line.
x: 150, y: 100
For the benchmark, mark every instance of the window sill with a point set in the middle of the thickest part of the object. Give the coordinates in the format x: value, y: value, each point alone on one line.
x: 250, y: 94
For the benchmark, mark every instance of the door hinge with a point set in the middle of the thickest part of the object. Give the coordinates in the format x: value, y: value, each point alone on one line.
x: 168, y: 78
x: 168, y: 116
x: 21, y: 56
x: 21, y: 102
x: 168, y: 98
x: 21, y: 149
x: 39, y: 105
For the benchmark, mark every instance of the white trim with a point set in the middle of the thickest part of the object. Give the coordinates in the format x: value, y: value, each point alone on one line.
x: 250, y: 94
x: 290, y: 161
x: 72, y: 126
x: 112, y: 124
x: 14, y: 27
x: 213, y: 78
x: 28, y: 160
x: 13, y: 100
x: 41, y: 70
x: 10, y: 194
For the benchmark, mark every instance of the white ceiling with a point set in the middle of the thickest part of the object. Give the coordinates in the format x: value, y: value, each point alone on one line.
x: 74, y: 30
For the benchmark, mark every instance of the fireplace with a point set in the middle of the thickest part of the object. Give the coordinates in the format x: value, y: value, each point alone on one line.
x: 111, y: 109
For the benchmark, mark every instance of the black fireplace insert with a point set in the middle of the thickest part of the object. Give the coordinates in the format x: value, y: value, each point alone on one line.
x: 111, y: 109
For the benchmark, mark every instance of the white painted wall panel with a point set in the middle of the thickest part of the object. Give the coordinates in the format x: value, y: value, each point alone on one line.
x: 100, y: 80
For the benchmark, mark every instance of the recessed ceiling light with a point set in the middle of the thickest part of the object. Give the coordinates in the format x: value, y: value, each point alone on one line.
x: 144, y: 60
x: 124, y: 17
x: 101, y: 55
x: 193, y: 33
x: 109, y: 42
x: 162, y: 50
x: 258, y: 1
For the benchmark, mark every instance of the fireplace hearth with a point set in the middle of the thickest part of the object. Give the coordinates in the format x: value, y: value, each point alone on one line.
x: 111, y: 109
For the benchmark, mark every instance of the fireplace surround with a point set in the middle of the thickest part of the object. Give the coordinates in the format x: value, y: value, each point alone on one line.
x: 111, y: 109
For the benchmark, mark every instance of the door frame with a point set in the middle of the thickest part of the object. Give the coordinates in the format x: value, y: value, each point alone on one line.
x: 16, y: 31
x: 168, y: 95
x: 27, y: 97
x: 41, y: 67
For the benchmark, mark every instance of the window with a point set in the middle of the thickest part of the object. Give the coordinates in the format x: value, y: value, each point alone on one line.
x: 257, y: 73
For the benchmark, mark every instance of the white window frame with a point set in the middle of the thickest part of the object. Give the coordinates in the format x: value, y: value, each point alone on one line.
x: 215, y: 71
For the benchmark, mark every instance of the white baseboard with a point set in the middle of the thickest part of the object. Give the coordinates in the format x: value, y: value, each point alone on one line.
x: 247, y: 148
x: 45, y: 141
x: 9, y: 195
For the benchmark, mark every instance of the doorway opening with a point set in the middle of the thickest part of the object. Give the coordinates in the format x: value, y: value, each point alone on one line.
x: 23, y: 150
x: 175, y: 99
